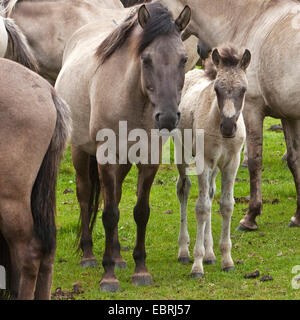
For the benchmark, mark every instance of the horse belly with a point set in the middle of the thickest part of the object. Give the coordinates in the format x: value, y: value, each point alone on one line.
x: 279, y: 71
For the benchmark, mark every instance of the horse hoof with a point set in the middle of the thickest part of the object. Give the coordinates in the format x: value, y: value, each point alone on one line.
x: 184, y: 260
x: 89, y: 263
x: 244, y: 165
x: 293, y: 225
x: 121, y: 265
x: 142, y: 279
x: 210, y: 262
x: 243, y: 228
x: 228, y: 269
x: 110, y: 285
x: 197, y: 275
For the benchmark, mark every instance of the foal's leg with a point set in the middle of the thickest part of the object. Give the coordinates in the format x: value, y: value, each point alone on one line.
x: 203, y: 209
x: 111, y: 177
x: 245, y: 158
x: 291, y: 131
x: 226, y: 208
x: 183, y: 189
x: 210, y: 257
x: 147, y: 173
x: 83, y: 190
x: 254, y: 126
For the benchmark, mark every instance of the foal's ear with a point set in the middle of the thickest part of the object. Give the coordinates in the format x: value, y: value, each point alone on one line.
x: 216, y: 58
x: 143, y: 16
x: 245, y: 61
x: 184, y: 18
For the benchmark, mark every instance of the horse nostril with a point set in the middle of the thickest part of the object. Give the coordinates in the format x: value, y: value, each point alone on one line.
x: 157, y: 116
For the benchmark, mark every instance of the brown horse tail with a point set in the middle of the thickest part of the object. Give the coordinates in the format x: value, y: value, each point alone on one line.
x: 6, y: 263
x: 94, y: 202
x: 19, y: 49
x: 43, y: 197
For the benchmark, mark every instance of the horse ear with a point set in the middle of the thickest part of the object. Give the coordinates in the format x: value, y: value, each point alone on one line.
x: 216, y: 57
x: 245, y: 61
x: 184, y: 18
x: 143, y: 16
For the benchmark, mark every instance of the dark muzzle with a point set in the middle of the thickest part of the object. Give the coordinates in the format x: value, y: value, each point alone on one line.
x: 167, y: 120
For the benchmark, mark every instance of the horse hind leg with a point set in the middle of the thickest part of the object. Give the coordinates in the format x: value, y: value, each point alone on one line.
x: 291, y: 131
x: 81, y: 162
x: 44, y: 280
x: 25, y: 249
x: 183, y: 189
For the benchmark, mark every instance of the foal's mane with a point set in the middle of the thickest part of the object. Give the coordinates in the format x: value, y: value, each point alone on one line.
x: 229, y: 56
x: 160, y: 23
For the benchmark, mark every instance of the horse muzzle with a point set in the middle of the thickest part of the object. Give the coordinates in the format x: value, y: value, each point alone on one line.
x: 228, y: 128
x: 167, y: 120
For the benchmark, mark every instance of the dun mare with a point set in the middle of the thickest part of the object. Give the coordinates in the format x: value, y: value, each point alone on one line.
x: 13, y: 43
x: 144, y: 90
x: 270, y: 29
x: 34, y: 128
x: 213, y: 100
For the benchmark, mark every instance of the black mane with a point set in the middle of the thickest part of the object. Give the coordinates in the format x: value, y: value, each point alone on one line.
x: 161, y: 22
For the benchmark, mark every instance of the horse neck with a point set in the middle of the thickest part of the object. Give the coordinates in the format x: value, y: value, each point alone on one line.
x: 221, y: 21
x: 206, y: 113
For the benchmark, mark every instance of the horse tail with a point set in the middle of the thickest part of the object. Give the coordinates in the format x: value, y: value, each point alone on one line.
x: 19, y: 49
x: 95, y: 197
x: 43, y: 196
x: 5, y: 266
x: 8, y: 6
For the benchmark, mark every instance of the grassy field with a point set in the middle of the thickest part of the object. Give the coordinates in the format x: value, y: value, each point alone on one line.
x: 273, y: 250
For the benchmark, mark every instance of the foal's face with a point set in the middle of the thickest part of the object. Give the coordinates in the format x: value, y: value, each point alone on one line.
x: 230, y: 87
x: 163, y: 72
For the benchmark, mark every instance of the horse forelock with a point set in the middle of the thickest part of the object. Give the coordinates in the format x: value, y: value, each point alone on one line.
x: 229, y: 56
x: 160, y: 23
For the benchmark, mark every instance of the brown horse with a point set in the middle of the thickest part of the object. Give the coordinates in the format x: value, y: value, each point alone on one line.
x: 270, y: 29
x: 144, y: 90
x: 35, y: 124
x: 49, y: 24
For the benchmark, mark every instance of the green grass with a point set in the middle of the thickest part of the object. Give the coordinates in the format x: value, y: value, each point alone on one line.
x: 273, y: 250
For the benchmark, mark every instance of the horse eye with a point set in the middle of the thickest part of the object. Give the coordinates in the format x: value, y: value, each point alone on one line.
x: 150, y: 88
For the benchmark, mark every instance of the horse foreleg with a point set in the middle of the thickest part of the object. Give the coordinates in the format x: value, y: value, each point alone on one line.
x: 226, y: 208
x: 111, y: 177
x: 203, y: 214
x: 291, y: 131
x: 210, y: 257
x: 146, y: 176
x: 183, y: 189
x: 254, y: 126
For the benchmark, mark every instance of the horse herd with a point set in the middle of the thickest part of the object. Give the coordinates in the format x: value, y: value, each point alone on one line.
x: 95, y: 64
